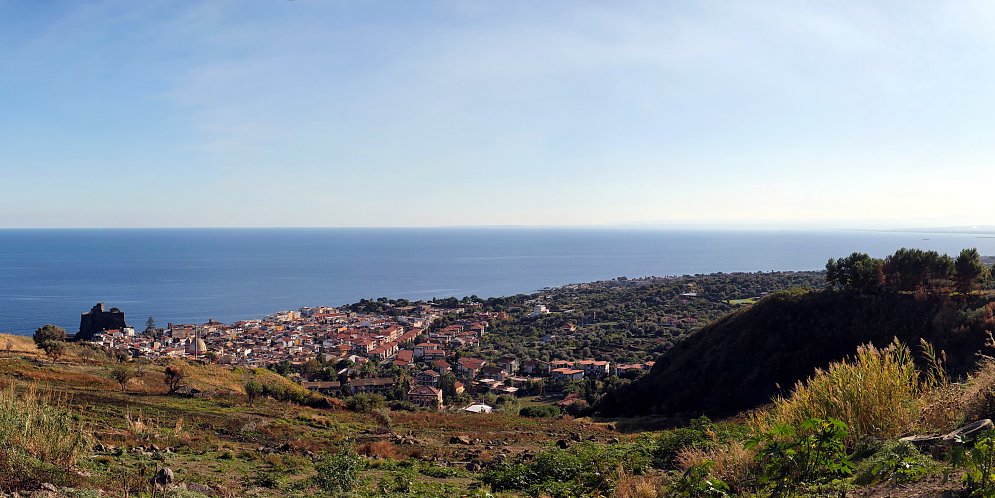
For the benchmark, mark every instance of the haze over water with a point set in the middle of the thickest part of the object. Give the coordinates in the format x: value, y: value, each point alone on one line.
x: 192, y: 275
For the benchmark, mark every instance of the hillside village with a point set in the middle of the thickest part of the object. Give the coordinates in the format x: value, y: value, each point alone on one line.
x: 373, y: 353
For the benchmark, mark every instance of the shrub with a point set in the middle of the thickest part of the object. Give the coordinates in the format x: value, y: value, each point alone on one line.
x: 580, y: 470
x: 897, y: 462
x: 812, y: 452
x: 539, y: 411
x: 697, y: 482
x: 979, y: 466
x: 700, y: 433
x: 876, y: 394
x: 732, y: 463
x: 338, y: 472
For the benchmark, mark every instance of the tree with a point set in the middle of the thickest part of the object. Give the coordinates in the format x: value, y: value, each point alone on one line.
x: 123, y: 374
x: 174, y: 375
x: 968, y: 270
x: 857, y: 272
x: 51, y: 339
x: 252, y: 390
x: 917, y: 270
x: 54, y: 349
x: 150, y: 326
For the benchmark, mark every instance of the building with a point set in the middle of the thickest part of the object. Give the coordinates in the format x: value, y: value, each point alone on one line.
x: 428, y: 378
x: 469, y: 368
x: 371, y: 385
x: 567, y: 373
x: 324, y: 387
x: 426, y: 396
x: 98, y: 320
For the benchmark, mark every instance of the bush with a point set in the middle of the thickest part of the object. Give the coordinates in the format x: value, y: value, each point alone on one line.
x: 338, y: 473
x: 732, y: 463
x: 700, y: 433
x: 697, y: 482
x: 539, y: 411
x: 979, y: 465
x: 585, y: 469
x: 894, y: 462
x: 813, y: 452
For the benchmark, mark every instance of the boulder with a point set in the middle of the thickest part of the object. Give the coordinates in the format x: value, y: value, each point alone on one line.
x: 164, y: 477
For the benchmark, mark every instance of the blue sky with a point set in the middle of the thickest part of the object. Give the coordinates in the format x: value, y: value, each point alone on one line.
x: 314, y: 113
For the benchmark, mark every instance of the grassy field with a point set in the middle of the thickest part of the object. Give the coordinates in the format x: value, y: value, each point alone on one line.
x: 218, y: 443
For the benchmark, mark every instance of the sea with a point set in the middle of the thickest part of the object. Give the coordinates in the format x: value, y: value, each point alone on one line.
x: 195, y: 275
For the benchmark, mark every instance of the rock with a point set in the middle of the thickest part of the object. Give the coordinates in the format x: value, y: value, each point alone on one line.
x: 459, y: 440
x: 575, y: 437
x: 922, y: 442
x: 49, y: 487
x: 613, y: 440
x: 199, y: 488
x: 562, y: 444
x: 164, y: 477
x: 474, y: 466
x: 967, y: 433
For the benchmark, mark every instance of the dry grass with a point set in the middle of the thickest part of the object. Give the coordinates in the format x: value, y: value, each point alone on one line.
x: 877, y: 393
x: 734, y: 464
x: 633, y: 486
x: 380, y: 449
x: 18, y: 345
x: 955, y: 404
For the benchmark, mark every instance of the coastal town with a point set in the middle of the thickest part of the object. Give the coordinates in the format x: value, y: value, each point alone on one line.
x: 420, y: 349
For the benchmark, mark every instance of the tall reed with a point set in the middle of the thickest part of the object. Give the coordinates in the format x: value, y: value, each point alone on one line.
x: 877, y: 393
x: 36, y: 426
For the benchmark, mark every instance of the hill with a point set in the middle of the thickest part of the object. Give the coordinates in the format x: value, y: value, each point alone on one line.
x: 746, y: 358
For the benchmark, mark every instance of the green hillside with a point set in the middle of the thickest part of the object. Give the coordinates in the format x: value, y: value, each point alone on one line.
x: 746, y: 358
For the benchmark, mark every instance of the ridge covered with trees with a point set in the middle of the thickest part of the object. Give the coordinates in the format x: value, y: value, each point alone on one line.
x: 753, y: 355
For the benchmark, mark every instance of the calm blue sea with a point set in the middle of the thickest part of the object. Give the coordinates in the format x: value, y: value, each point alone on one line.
x: 192, y: 275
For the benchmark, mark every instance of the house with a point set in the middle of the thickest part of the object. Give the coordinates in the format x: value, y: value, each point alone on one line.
x: 404, y: 358
x: 509, y: 364
x: 469, y: 368
x: 419, y: 349
x: 539, y: 309
x: 428, y: 378
x: 433, y: 354
x: 535, y: 367
x: 442, y: 366
x: 324, y: 387
x: 493, y: 372
x: 594, y: 367
x: 381, y: 353
x: 426, y: 396
x: 459, y: 388
x: 371, y: 385
x: 567, y: 373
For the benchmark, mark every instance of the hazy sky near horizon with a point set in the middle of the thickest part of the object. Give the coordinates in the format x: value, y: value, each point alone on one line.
x: 315, y: 113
